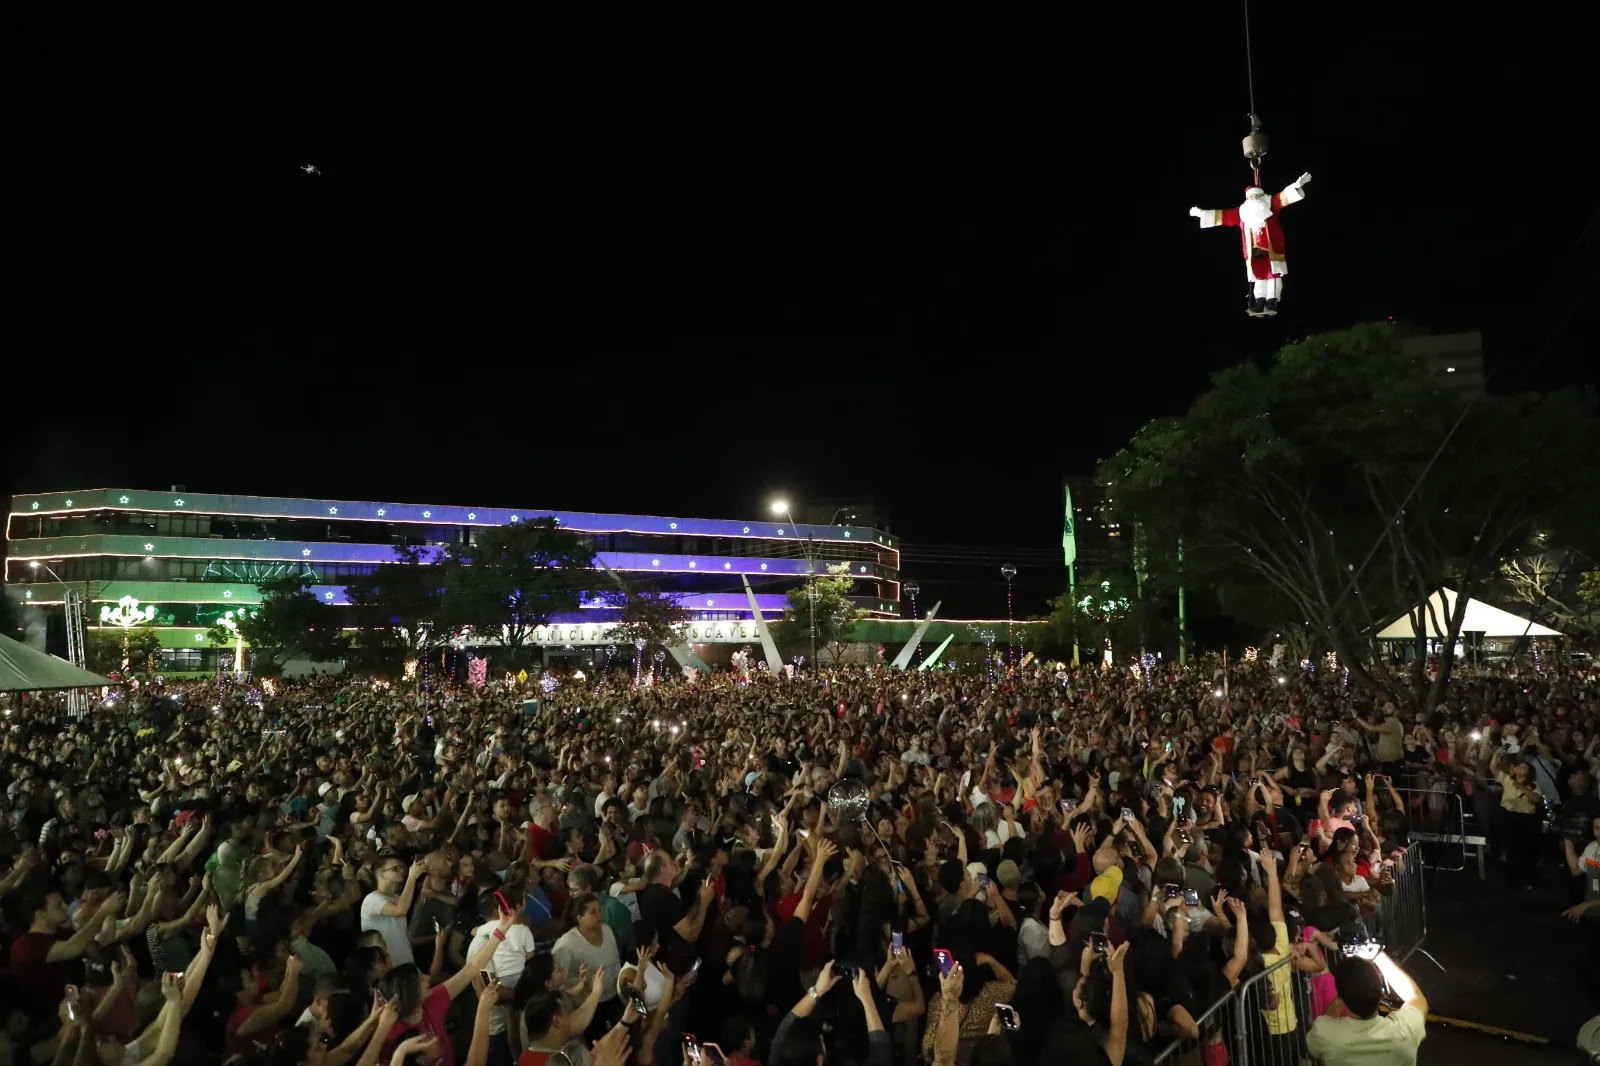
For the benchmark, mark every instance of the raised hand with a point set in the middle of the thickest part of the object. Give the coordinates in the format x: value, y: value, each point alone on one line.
x: 1062, y: 901
x: 950, y: 985
x: 825, y: 980
x: 1114, y: 959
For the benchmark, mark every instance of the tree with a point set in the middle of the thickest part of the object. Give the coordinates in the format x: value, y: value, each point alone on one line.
x: 1103, y: 608
x: 227, y: 630
x: 836, y: 615
x: 398, y: 607
x: 649, y: 615
x: 1342, y: 485
x: 516, y: 577
x: 289, y: 623
x: 102, y: 649
x: 1547, y: 585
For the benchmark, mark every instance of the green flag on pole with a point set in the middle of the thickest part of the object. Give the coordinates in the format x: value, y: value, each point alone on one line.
x: 1069, y: 536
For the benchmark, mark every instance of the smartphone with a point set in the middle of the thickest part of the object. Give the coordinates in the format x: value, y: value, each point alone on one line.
x: 636, y: 998
x: 984, y: 882
x: 714, y: 1055
x: 1068, y: 806
x: 694, y: 971
x: 1008, y: 1016
x: 1171, y: 891
x: 1191, y: 897
x: 1178, y: 805
x: 488, y: 977
x: 436, y: 932
x: 1100, y: 943
x: 72, y: 1002
x: 802, y: 833
x: 1127, y: 814
x: 897, y: 944
x: 946, y: 961
x: 691, y: 1051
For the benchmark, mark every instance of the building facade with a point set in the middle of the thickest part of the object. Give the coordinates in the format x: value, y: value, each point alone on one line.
x: 196, y: 556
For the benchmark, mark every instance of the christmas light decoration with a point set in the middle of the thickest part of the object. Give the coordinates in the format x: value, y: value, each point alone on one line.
x: 410, y: 670
x: 638, y: 659
x: 477, y: 671
x: 1250, y: 654
x: 125, y: 616
x: 988, y: 653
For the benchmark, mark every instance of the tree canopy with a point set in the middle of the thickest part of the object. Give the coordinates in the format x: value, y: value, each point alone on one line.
x: 398, y: 607
x: 290, y: 623
x: 836, y: 615
x: 649, y: 615
x: 515, y: 577
x: 1342, y: 483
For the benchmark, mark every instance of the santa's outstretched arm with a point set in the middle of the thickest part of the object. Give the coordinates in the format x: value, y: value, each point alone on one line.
x: 1215, y: 216
x: 1293, y: 194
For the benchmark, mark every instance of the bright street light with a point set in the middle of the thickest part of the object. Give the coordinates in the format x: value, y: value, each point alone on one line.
x: 780, y: 506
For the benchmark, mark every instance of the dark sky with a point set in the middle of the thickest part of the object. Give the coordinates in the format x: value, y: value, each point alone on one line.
x: 939, y: 254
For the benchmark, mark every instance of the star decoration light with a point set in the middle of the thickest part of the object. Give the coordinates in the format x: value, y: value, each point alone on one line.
x: 763, y: 566
x: 227, y: 594
x: 327, y: 595
x: 427, y: 514
x: 177, y: 503
x: 333, y: 510
x: 727, y: 566
x: 863, y: 569
x: 691, y: 564
x: 672, y: 525
x: 69, y: 503
x: 780, y: 532
x: 655, y: 562
x: 747, y: 529
x: 472, y: 516
x: 199, y: 637
x: 514, y: 518
x: 122, y: 499
x: 382, y: 511
x: 149, y: 547
x: 35, y: 505
x: 847, y: 533
x: 711, y: 603
x: 305, y: 551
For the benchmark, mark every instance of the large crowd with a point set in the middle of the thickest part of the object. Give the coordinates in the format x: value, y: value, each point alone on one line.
x: 862, y: 866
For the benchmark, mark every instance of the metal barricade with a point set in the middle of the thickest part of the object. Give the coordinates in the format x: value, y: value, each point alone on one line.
x: 1402, y: 919
x: 1237, y: 1030
x: 1435, y: 816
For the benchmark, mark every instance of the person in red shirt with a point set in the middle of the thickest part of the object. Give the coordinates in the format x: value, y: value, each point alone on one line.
x: 422, y: 1005
x: 814, y: 945
x: 39, y: 957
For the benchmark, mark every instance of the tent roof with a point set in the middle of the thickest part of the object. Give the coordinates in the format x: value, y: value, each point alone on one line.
x: 1480, y: 618
x: 24, y: 670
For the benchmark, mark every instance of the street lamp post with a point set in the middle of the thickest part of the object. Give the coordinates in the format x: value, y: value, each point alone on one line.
x: 1009, y: 572
x: 782, y: 507
x: 125, y: 616
x: 72, y: 601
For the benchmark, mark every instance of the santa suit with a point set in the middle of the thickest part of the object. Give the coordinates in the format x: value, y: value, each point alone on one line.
x: 1264, y: 260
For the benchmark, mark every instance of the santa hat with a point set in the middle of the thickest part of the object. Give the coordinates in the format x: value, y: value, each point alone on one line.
x: 1254, y: 190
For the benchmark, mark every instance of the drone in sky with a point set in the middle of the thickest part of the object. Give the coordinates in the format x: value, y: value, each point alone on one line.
x: 309, y: 169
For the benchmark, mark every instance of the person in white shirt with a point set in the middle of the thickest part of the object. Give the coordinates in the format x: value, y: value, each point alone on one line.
x: 1364, y: 1038
x: 509, y: 957
x: 385, y: 908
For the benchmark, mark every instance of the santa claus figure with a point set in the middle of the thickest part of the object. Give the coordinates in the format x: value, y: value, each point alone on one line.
x: 1262, y: 236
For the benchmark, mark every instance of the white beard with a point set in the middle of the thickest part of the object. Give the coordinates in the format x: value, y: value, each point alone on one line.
x: 1253, y: 213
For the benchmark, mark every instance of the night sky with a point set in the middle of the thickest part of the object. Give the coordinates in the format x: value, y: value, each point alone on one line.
x: 940, y: 255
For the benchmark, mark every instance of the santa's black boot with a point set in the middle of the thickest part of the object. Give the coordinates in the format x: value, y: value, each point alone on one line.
x: 1271, y: 308
x: 1257, y: 308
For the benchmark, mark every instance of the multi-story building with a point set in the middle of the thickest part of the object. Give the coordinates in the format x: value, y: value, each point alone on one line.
x: 194, y: 556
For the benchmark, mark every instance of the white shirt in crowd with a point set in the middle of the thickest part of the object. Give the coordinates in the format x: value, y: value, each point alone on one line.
x: 1380, y: 1041
x: 392, y: 927
x: 507, y: 962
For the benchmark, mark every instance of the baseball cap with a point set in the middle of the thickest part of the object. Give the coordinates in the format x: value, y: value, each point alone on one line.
x: 1007, y: 874
x: 1106, y: 885
x: 977, y: 869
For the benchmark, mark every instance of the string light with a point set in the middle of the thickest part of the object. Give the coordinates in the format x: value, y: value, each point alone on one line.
x: 477, y: 671
x: 638, y: 659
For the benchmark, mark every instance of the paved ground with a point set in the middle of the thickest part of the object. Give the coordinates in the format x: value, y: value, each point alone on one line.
x: 1508, y: 963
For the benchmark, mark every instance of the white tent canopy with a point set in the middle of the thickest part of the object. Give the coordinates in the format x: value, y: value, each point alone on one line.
x: 1492, y: 622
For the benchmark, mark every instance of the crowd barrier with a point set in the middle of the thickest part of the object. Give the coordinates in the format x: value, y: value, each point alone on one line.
x: 1259, y: 1023
x: 1438, y: 818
